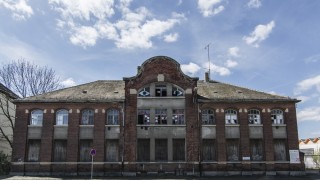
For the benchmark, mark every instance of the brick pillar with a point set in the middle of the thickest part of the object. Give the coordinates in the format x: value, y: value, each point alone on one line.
x: 99, y: 140
x: 20, y: 139
x: 73, y: 141
x: 268, y: 139
x: 46, y: 141
x: 244, y: 139
x: 221, y: 140
x: 192, y: 130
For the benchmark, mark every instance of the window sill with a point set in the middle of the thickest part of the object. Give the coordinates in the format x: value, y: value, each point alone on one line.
x: 61, y: 125
x: 209, y: 125
x: 81, y: 125
x: 34, y: 125
x: 111, y: 125
x: 161, y: 125
x: 232, y: 125
x: 282, y: 125
x: 256, y: 125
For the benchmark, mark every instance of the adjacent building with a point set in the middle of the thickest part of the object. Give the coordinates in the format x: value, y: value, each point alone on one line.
x: 159, y: 121
x: 311, y: 149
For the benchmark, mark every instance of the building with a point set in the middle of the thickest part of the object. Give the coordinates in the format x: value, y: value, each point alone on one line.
x: 159, y: 121
x: 7, y: 112
x: 311, y: 149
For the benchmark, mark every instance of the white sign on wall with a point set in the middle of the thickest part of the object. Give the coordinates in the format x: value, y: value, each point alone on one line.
x: 294, y: 156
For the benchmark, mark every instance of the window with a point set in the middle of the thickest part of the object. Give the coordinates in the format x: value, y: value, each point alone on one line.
x: 177, y: 91
x: 208, y: 116
x: 143, y: 150
x: 36, y: 117
x: 62, y: 117
x: 145, y: 92
x: 254, y: 116
x: 143, y: 116
x: 160, y: 116
x: 280, y: 153
x: 85, y: 148
x: 178, y: 148
x: 161, y: 149
x: 208, y: 150
x: 256, y: 149
x: 60, y: 151
x: 231, y: 116
x: 277, y: 116
x: 161, y: 90
x: 178, y: 116
x: 34, y: 150
x: 112, y: 150
x: 232, y: 150
x: 87, y: 117
x: 112, y: 117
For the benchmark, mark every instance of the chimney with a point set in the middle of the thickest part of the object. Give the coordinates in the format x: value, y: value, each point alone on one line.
x: 206, y: 77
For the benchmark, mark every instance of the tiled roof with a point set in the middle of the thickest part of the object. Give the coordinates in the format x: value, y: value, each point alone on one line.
x: 108, y: 91
x: 97, y: 91
x: 4, y: 89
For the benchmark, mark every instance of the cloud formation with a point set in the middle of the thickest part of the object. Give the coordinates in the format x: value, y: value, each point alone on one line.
x: 215, y: 69
x: 88, y: 21
x: 234, y: 51
x: 254, y: 4
x: 190, y: 68
x: 230, y: 63
x: 210, y: 7
x: 307, y: 84
x: 309, y: 114
x: 260, y: 33
x: 19, y: 8
x: 68, y: 82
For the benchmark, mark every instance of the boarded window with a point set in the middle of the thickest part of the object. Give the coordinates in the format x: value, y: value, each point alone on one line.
x: 60, y: 151
x: 143, y: 150
x: 85, y: 148
x: 87, y: 117
x: 36, y: 117
x: 160, y: 116
x: 161, y: 149
x: 208, y: 116
x: 280, y: 153
x: 256, y: 149
x: 143, y: 116
x: 34, y: 150
x: 178, y: 148
x: 208, y: 150
x: 113, y: 117
x: 232, y: 150
x: 178, y: 116
x: 112, y: 150
x: 62, y: 117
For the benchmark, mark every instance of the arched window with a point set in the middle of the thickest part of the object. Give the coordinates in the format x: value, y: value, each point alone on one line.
x: 254, y: 116
x: 36, y: 117
x: 176, y: 91
x: 231, y: 116
x: 112, y: 117
x: 208, y: 116
x: 62, y: 117
x: 277, y: 116
x: 87, y: 117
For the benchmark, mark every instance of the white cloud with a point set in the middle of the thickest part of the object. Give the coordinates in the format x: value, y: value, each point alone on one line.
x: 260, y: 33
x: 254, y: 4
x: 171, y: 37
x: 84, y: 36
x: 68, y: 82
x: 309, y: 114
x: 208, y: 7
x: 307, y: 84
x: 230, y: 63
x: 222, y: 71
x: 234, y: 51
x: 19, y: 8
x: 190, y: 68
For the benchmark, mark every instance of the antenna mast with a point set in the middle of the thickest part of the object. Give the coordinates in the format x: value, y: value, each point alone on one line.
x: 208, y: 48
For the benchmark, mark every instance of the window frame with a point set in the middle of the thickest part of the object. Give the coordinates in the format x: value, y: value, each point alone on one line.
x: 163, y: 90
x: 254, y: 116
x: 160, y: 116
x: 89, y: 113
x: 178, y: 117
x: 37, y: 148
x: 58, y: 115
x: 209, y: 117
x: 143, y: 116
x: 277, y: 116
x: 229, y: 113
x: 114, y: 114
x: 34, y: 118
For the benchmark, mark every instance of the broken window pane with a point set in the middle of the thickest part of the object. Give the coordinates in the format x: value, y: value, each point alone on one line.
x: 208, y: 116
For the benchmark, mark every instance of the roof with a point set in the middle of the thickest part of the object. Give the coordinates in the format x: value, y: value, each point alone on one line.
x: 97, y: 91
x: 113, y: 90
x: 217, y: 91
x: 7, y: 91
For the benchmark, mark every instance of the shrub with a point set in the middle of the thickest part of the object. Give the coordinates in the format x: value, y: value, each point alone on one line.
x: 4, y: 164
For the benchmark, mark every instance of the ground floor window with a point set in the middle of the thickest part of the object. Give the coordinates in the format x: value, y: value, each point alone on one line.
x: 256, y: 146
x: 60, y: 150
x: 161, y: 149
x: 232, y: 149
x: 112, y: 150
x: 85, y: 148
x: 208, y: 150
x: 178, y: 148
x: 143, y: 150
x: 280, y: 153
x: 34, y: 150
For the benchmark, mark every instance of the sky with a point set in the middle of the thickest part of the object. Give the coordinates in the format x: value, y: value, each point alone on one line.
x: 267, y: 45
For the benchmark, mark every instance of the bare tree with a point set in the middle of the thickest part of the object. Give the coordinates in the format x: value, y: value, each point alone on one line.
x: 28, y: 79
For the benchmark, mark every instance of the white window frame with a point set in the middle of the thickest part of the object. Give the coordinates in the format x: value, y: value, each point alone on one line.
x: 277, y: 116
x: 62, y: 117
x: 208, y: 117
x: 254, y: 116
x: 113, y: 117
x: 36, y: 117
x: 231, y: 116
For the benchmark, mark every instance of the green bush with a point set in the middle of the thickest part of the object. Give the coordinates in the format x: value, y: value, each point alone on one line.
x: 4, y: 164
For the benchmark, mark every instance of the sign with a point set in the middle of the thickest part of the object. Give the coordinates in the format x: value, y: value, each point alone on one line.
x: 93, y: 152
x: 294, y: 156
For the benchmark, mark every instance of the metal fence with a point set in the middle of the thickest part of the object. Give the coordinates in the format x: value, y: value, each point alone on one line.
x: 312, y: 161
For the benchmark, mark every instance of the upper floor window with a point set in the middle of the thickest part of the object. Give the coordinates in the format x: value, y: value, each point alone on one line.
x: 231, y: 116
x: 161, y: 90
x: 144, y: 92
x: 177, y: 91
x: 160, y: 116
x: 87, y: 117
x: 62, y: 117
x: 143, y: 116
x: 36, y: 117
x: 254, y: 116
x: 113, y: 117
x: 178, y: 116
x: 277, y: 116
x: 208, y: 116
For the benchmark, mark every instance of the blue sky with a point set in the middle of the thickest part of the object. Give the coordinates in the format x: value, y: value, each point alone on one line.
x: 266, y: 45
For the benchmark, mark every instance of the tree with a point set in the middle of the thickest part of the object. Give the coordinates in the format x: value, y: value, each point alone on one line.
x: 316, y: 157
x: 27, y: 79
